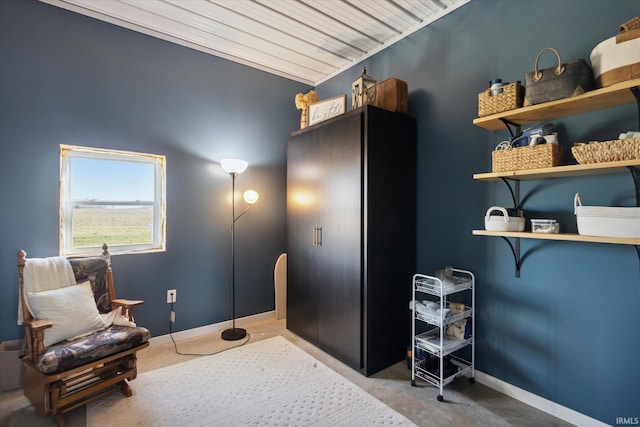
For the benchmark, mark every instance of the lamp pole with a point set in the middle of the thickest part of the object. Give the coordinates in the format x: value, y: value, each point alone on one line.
x: 234, y: 333
x: 235, y: 167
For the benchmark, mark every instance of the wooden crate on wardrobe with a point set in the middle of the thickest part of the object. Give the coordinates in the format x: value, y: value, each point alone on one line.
x: 393, y: 95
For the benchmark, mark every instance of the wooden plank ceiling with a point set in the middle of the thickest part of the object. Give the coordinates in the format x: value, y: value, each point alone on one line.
x: 308, y: 41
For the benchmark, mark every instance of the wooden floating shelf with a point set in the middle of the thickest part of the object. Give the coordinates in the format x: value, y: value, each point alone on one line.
x: 560, y: 236
x: 612, y: 96
x: 560, y: 171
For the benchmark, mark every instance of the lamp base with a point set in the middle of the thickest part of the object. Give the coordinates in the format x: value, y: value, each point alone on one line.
x: 234, y: 334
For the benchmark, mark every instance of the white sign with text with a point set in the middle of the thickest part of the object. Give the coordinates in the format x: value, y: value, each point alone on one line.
x: 326, y: 109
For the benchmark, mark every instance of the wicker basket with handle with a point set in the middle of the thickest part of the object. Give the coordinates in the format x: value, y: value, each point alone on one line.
x: 529, y: 157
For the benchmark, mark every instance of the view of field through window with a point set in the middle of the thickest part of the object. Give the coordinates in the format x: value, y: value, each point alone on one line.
x: 95, y: 225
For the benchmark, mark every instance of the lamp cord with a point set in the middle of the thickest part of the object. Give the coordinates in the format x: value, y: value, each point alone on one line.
x: 175, y: 345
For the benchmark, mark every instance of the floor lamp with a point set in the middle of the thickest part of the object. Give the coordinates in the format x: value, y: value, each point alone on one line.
x: 235, y: 167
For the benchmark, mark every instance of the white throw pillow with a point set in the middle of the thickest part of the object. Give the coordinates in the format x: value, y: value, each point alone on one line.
x: 72, y: 310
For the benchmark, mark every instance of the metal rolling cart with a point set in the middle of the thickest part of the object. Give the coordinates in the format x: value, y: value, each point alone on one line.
x: 443, y: 331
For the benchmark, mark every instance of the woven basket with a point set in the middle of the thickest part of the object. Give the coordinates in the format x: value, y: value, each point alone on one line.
x: 512, y: 97
x: 607, y: 151
x: 529, y: 157
x: 630, y: 25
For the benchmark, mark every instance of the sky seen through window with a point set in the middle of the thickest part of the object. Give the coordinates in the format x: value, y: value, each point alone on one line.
x: 111, y: 180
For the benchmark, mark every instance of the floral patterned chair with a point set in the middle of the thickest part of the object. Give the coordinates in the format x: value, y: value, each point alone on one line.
x: 81, y: 342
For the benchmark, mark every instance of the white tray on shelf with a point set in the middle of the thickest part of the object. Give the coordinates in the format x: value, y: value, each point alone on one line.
x: 434, y: 286
x: 430, y: 341
x: 432, y: 319
x: 463, y: 366
x: 432, y: 378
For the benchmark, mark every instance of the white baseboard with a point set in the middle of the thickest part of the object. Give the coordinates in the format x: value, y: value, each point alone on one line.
x: 552, y: 408
x: 208, y: 329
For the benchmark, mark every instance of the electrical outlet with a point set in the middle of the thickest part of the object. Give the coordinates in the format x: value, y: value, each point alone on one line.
x: 171, y: 296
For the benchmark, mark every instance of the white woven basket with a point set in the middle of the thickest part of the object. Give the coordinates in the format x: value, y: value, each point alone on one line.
x: 605, y: 221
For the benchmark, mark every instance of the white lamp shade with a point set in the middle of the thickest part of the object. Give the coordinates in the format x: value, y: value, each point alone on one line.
x: 251, y: 196
x: 233, y: 165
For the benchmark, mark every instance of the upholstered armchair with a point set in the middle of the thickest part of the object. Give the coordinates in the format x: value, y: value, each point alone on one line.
x: 81, y: 342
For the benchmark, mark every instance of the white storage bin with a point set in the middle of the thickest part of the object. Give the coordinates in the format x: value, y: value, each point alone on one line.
x: 605, y: 221
x: 615, y: 62
x: 502, y: 222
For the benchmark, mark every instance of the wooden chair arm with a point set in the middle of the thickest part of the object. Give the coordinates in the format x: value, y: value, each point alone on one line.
x: 37, y: 324
x: 126, y: 302
x: 35, y: 336
x: 127, y: 306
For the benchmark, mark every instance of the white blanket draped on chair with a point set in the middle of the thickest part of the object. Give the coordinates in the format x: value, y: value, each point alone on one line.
x: 44, y: 274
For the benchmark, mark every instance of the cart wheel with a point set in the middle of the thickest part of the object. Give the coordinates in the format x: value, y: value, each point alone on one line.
x: 413, y: 383
x: 440, y: 398
x: 472, y: 380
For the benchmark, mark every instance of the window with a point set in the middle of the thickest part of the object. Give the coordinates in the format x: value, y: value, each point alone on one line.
x: 113, y: 197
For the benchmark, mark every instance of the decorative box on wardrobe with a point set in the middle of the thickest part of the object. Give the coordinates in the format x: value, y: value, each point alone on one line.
x: 351, y: 184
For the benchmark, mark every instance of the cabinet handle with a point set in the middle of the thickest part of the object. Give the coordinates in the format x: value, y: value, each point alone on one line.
x: 317, y: 236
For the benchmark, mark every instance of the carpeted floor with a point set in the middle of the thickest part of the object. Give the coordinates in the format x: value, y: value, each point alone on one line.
x: 266, y: 383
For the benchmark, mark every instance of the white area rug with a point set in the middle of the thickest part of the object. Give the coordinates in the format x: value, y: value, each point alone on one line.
x: 267, y: 383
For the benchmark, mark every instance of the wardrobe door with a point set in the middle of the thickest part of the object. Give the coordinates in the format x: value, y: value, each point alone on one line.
x: 338, y: 168
x: 302, y: 218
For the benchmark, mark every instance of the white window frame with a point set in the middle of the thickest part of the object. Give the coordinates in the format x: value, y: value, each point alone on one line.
x: 67, y: 152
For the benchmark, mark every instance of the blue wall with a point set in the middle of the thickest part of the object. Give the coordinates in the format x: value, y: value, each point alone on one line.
x: 70, y: 79
x: 565, y: 330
